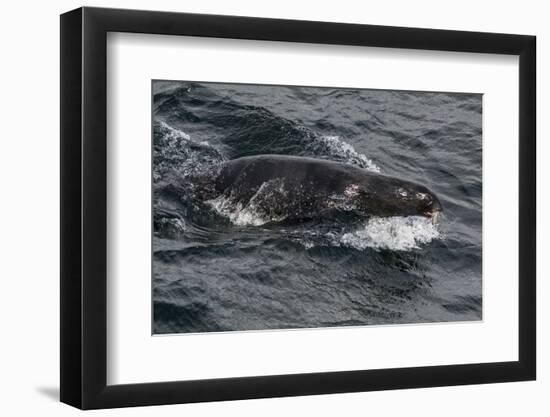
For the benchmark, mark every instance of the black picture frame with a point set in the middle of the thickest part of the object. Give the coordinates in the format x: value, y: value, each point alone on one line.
x: 84, y: 207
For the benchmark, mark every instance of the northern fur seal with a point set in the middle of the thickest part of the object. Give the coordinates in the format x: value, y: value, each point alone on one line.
x: 280, y: 187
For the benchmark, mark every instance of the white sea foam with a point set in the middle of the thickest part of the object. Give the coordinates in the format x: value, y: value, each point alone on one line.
x: 250, y: 214
x: 394, y: 233
x: 338, y: 147
x: 173, y: 135
x: 176, y: 151
x: 235, y: 212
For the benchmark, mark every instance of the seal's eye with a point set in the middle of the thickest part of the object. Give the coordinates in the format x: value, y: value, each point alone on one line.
x: 422, y: 196
x: 402, y: 192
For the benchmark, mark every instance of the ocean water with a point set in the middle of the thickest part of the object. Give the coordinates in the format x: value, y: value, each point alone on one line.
x: 218, y: 266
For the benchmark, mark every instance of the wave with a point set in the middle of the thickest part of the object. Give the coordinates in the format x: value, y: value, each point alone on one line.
x: 344, y: 151
x: 245, y: 129
x: 175, y: 151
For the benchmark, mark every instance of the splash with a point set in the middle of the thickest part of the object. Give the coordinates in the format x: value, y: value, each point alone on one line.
x: 343, y: 150
x: 172, y: 136
x: 394, y: 233
x: 175, y: 151
x: 238, y: 214
x: 256, y: 211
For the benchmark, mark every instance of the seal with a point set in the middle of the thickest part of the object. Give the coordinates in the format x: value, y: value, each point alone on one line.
x: 279, y: 187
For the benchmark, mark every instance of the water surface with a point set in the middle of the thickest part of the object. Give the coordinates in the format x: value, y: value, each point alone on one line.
x: 218, y: 267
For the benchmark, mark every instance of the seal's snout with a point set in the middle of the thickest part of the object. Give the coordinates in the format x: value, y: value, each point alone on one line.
x: 433, y: 207
x: 429, y: 204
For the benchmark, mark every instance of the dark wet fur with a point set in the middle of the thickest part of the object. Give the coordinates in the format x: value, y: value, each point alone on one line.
x: 290, y: 187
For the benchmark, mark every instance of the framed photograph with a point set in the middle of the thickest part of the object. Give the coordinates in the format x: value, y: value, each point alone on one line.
x: 257, y: 208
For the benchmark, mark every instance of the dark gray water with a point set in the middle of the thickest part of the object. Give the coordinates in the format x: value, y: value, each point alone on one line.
x: 221, y: 267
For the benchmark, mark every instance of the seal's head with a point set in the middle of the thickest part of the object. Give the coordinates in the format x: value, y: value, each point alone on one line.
x: 428, y: 204
x: 388, y: 196
x: 418, y: 200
